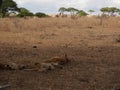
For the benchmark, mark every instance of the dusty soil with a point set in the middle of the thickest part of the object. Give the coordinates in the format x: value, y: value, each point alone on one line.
x: 92, y: 48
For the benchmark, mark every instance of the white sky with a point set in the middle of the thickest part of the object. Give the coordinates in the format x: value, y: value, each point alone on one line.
x: 52, y: 6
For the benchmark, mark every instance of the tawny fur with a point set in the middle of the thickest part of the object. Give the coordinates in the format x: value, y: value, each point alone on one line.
x: 49, y: 64
x: 2, y: 66
x: 58, y: 60
x: 9, y: 66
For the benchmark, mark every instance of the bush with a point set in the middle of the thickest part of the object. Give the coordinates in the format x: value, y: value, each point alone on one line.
x: 39, y: 14
x: 82, y: 13
x: 26, y: 14
x: 23, y: 12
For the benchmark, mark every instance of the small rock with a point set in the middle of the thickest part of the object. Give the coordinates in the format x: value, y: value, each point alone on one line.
x: 34, y: 46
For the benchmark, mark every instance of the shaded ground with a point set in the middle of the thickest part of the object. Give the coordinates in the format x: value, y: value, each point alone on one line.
x: 94, y: 54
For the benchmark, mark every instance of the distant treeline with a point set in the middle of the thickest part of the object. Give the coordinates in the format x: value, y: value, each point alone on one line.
x: 10, y: 8
x: 110, y: 11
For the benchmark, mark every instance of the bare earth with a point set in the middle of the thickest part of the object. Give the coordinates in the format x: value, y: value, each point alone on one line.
x: 92, y: 48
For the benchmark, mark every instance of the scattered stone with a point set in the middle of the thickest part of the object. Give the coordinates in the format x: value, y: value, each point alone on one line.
x: 34, y: 46
x: 90, y: 27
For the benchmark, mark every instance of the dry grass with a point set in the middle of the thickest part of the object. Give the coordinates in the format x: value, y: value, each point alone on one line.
x: 92, y: 48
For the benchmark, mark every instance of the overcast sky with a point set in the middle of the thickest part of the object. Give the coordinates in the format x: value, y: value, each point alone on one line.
x: 52, y: 6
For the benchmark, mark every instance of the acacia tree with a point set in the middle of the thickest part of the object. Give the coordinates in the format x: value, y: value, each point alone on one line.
x: 72, y: 10
x: 8, y: 6
x: 23, y: 12
x: 62, y: 10
x: 104, y: 10
x: 118, y: 11
x: 110, y: 11
x: 91, y: 11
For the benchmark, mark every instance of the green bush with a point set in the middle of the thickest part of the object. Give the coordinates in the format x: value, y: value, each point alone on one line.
x: 82, y: 13
x: 24, y: 12
x: 39, y: 14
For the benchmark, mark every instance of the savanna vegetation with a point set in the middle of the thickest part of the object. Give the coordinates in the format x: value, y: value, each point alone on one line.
x: 9, y: 6
x: 92, y: 45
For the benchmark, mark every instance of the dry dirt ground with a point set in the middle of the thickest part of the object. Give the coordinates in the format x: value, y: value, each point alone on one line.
x: 94, y: 51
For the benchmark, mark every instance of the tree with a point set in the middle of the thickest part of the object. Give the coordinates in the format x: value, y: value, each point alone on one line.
x: 104, y: 10
x: 118, y: 11
x: 72, y: 10
x: 8, y: 6
x: 23, y: 12
x: 91, y: 11
x: 82, y: 13
x: 62, y: 10
x: 40, y: 14
x: 110, y: 11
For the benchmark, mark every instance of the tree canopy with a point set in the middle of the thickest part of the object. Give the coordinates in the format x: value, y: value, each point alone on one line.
x: 8, y: 6
x: 40, y: 14
x: 82, y: 13
x: 62, y: 10
x: 110, y: 11
x: 24, y: 12
x: 72, y: 10
x: 91, y: 11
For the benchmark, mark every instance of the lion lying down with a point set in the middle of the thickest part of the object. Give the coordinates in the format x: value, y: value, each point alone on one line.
x: 50, y: 64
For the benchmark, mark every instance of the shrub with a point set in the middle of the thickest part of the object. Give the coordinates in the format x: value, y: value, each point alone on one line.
x: 24, y: 12
x: 82, y: 13
x: 39, y: 14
